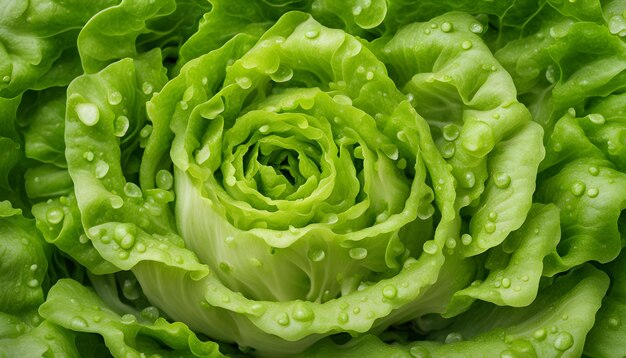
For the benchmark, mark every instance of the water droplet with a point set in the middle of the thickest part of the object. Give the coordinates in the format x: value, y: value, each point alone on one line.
x: 614, y: 322
x: 502, y: 180
x: 122, y: 255
x: 593, y: 192
x: 311, y: 34
x: 446, y: 27
x: 342, y: 99
x: 451, y: 243
x: 552, y: 73
x: 466, y: 45
x: 430, y: 247
x: 116, y: 202
x: 450, y: 132
x: 506, y: 283
x: 140, y: 247
x: 356, y: 11
x: 114, y: 98
x: 390, y: 292
x: 283, y: 74
x: 128, y: 319
x: 34, y: 267
x: 476, y: 28
x: 540, y: 334
x: 453, y: 337
x: 316, y: 254
x: 493, y: 216
x: 33, y: 283
x: 282, y: 319
x: 448, y: 150
x: 419, y: 352
x: 468, y: 181
x: 563, y: 341
x: 382, y: 217
x: 391, y: 151
x: 101, y: 170
x: 120, y: 126
x: 578, y: 188
x: 146, y: 131
x: 302, y: 312
x: 88, y: 113
x: 54, y: 215
x: 479, y: 139
x: 127, y: 241
x: 132, y: 190
x: 147, y: 88
x: 225, y: 267
x: 332, y: 218
x: 89, y: 156
x: 6, y: 79
x: 244, y: 82
x: 230, y: 180
x: 466, y: 239
x: 596, y: 118
x: 264, y: 128
x: 356, y: 310
x: 255, y: 262
x: 427, y: 31
x: 150, y: 313
x: 188, y: 94
x: 358, y: 253
x: 78, y: 323
x: 525, y: 278
x: 343, y: 317
x: 164, y: 179
x: 490, y: 227
x: 594, y: 171
x: 369, y: 75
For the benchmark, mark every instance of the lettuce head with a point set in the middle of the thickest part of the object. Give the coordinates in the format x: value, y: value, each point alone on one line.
x: 312, y: 178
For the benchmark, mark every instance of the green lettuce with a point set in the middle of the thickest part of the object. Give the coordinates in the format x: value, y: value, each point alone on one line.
x: 312, y: 178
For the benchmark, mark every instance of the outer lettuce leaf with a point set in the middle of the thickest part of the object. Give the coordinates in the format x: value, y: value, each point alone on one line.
x: 470, y: 104
x: 44, y: 114
x: 59, y: 221
x: 133, y: 27
x: 554, y: 325
x: 604, y: 340
x: 515, y: 267
x: 583, y: 175
x: 38, y: 41
x: 96, y: 129
x: 23, y: 277
x: 23, y: 263
x: 75, y: 307
x: 573, y: 62
x: 11, y: 187
x: 45, y: 340
x: 227, y: 19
